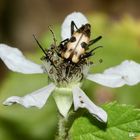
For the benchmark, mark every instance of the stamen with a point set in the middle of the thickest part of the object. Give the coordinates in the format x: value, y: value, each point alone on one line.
x: 54, y: 37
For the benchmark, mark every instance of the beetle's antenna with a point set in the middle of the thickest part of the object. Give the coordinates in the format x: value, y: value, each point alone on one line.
x: 54, y: 37
x: 39, y: 45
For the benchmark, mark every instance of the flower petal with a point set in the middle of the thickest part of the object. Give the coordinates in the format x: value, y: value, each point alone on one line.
x: 109, y: 80
x: 81, y: 100
x: 79, y: 20
x: 63, y: 99
x: 128, y: 72
x: 37, y: 98
x: 15, y: 61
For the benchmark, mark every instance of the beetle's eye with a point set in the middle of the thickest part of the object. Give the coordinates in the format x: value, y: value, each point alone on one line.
x: 72, y: 39
x: 84, y: 45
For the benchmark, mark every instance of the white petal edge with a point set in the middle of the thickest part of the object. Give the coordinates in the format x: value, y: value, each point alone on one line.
x: 82, y: 101
x: 15, y: 61
x: 79, y: 20
x: 35, y: 99
x: 128, y: 72
x: 63, y: 99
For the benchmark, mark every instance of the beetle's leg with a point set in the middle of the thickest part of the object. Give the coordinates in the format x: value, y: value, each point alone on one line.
x: 94, y: 40
x: 88, y: 54
x: 64, y: 41
x: 72, y: 27
x: 96, y: 48
x: 62, y: 46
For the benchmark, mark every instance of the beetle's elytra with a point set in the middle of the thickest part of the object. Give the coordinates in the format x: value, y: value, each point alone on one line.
x: 75, y: 48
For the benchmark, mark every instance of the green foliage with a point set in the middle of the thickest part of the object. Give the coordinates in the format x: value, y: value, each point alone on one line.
x: 123, y: 124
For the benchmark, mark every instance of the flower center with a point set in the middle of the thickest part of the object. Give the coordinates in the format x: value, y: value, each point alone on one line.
x: 63, y: 72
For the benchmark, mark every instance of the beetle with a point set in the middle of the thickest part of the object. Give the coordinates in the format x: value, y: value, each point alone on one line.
x: 75, y: 48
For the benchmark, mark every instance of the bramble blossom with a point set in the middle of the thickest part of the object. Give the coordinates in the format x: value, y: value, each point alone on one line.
x: 66, y: 89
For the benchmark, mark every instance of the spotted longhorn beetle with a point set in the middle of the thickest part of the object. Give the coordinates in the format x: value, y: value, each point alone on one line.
x: 75, y: 48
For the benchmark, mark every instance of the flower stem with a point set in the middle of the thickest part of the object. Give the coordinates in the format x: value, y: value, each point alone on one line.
x: 64, y: 124
x: 62, y: 129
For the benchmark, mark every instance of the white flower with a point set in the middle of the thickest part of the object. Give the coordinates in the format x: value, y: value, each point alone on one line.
x: 66, y: 90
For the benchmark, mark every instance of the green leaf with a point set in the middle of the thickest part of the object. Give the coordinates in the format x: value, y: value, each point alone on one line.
x: 123, y: 124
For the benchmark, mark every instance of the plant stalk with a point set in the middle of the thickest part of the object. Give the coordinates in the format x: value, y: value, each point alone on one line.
x: 62, y: 128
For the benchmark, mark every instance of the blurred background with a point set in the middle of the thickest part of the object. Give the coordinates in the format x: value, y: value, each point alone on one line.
x: 117, y: 21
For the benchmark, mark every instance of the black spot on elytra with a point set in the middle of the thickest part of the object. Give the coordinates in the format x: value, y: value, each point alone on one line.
x: 84, y: 45
x: 72, y: 39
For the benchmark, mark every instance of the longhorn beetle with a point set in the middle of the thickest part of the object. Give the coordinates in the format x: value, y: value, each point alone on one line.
x: 75, y: 48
